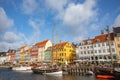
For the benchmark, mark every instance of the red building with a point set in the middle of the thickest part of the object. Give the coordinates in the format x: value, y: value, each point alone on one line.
x: 11, y: 55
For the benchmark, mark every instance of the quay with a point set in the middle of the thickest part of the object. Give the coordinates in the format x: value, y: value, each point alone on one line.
x: 3, y: 66
x: 81, y: 70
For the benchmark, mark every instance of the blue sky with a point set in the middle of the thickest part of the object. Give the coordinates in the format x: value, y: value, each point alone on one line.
x: 25, y: 22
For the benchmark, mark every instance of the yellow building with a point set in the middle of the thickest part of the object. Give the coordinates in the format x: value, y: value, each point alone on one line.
x: 63, y: 53
x: 25, y: 54
x: 117, y: 40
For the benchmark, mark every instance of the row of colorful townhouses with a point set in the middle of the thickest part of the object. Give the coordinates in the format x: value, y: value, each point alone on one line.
x: 63, y: 52
x: 97, y: 49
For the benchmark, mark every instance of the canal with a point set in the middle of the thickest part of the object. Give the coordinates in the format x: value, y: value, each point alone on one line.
x: 7, y: 74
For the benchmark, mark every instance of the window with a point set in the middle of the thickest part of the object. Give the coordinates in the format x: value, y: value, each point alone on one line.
x: 108, y: 50
x: 94, y: 45
x: 84, y: 47
x: 84, y: 52
x: 88, y: 47
x: 98, y: 40
x: 81, y: 47
x: 98, y: 45
x: 104, y: 51
x: 88, y: 52
x: 119, y: 45
x: 91, y: 51
x: 81, y: 52
x: 113, y: 50
x: 91, y: 46
x: 117, y: 38
x: 103, y: 44
x: 112, y: 43
x: 107, y: 43
x: 99, y: 51
x: 95, y: 51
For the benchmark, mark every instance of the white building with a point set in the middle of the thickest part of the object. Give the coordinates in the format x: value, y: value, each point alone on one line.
x: 3, y: 57
x: 97, y: 48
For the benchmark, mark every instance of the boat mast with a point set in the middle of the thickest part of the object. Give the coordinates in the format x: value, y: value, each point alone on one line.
x: 109, y: 43
x: 54, y: 24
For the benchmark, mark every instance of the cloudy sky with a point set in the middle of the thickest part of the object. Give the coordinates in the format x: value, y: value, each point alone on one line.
x: 25, y: 22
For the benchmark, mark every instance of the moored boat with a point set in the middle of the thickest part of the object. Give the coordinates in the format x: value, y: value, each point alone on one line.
x: 21, y: 68
x: 47, y: 71
x: 105, y: 73
x: 54, y: 73
x: 89, y: 73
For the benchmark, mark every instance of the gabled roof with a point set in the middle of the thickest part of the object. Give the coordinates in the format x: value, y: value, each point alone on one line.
x: 22, y: 47
x: 86, y: 41
x: 103, y: 38
x: 49, y: 48
x: 61, y: 44
x: 100, y: 38
x: 41, y: 44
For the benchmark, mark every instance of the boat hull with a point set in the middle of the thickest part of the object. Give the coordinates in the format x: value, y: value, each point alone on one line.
x: 107, y: 74
x: 48, y: 72
x: 22, y: 68
x: 57, y: 73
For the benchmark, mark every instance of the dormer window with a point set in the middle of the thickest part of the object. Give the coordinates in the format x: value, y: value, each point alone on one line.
x: 89, y: 41
x: 107, y: 38
x: 98, y: 40
x: 82, y: 43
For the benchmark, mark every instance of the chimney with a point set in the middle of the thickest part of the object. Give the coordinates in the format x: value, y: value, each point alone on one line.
x: 60, y: 41
x: 102, y: 32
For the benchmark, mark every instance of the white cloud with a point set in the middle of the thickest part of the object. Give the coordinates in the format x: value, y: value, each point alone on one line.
x: 75, y: 18
x: 117, y: 21
x: 4, y: 46
x: 5, y: 22
x: 77, y: 14
x: 57, y: 5
x: 78, y: 18
x: 29, y: 6
x: 10, y: 37
x: 12, y: 40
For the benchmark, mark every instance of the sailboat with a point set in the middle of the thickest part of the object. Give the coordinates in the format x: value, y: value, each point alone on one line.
x: 45, y: 69
x: 108, y: 72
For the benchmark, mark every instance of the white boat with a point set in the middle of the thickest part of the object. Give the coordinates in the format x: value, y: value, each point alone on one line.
x: 54, y: 73
x: 22, y: 68
x: 89, y: 73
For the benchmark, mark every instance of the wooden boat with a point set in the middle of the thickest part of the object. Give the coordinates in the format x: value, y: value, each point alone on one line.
x: 47, y: 71
x: 105, y: 73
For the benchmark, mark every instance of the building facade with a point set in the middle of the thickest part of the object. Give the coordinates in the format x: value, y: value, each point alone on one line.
x: 98, y: 48
x: 17, y: 56
x: 25, y: 54
x: 11, y: 54
x: 38, y: 50
x: 117, y: 40
x: 64, y: 53
x: 48, y: 54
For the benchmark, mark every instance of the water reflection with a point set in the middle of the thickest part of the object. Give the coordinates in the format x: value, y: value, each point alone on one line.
x: 6, y: 74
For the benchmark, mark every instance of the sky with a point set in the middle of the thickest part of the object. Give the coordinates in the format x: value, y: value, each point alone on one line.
x: 26, y: 22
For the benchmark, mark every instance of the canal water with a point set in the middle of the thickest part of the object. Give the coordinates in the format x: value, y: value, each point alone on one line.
x: 7, y: 74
